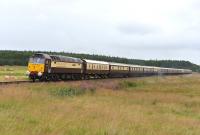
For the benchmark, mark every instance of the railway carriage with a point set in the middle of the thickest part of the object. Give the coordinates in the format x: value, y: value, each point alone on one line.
x: 187, y: 71
x: 95, y: 69
x: 156, y: 70
x: 149, y: 70
x: 163, y: 71
x: 118, y: 70
x: 136, y: 70
x: 172, y: 71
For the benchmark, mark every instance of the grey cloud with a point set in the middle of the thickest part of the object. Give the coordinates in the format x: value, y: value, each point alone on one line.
x: 175, y: 47
x: 61, y: 26
x: 138, y: 29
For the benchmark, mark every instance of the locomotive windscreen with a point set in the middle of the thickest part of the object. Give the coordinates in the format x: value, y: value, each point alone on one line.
x: 37, y: 59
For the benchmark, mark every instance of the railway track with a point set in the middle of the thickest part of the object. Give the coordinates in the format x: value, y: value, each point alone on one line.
x: 29, y: 81
x: 14, y: 82
x: 22, y: 82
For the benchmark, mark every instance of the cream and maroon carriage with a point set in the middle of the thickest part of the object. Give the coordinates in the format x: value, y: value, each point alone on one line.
x: 118, y: 70
x: 95, y: 69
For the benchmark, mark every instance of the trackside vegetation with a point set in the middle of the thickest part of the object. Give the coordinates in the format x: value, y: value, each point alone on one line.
x: 168, y: 105
x: 20, y: 58
x: 12, y: 73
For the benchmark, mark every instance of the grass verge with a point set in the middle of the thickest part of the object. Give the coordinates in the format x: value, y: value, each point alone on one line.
x: 136, y: 106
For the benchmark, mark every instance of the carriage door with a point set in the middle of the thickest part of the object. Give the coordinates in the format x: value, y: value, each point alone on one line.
x: 48, y: 66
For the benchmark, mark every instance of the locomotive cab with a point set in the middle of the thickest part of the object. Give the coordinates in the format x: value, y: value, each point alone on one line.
x: 38, y: 66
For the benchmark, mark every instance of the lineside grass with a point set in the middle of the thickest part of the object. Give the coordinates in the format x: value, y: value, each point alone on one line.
x: 12, y: 73
x: 137, y: 106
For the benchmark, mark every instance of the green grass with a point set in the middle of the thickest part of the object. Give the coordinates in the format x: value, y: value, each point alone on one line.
x: 11, y: 73
x: 135, y: 106
x: 70, y: 91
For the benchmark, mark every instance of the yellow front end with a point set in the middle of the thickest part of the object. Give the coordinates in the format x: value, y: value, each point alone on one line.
x: 36, y: 68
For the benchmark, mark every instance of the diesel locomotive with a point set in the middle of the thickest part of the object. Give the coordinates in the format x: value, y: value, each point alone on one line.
x: 45, y: 67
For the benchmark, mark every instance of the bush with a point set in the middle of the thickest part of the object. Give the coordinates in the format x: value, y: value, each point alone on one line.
x: 61, y: 92
x: 129, y: 85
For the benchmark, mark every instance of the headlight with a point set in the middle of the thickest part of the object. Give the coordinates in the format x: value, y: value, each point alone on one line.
x: 39, y: 74
x: 27, y: 73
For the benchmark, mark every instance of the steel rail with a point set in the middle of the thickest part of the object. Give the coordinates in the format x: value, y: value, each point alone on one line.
x: 14, y: 82
x: 29, y: 81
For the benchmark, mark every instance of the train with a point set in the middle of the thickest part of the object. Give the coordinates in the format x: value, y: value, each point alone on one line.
x: 45, y: 67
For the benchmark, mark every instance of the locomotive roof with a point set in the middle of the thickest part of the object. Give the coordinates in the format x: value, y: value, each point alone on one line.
x: 46, y: 56
x: 65, y: 59
x: 96, y: 62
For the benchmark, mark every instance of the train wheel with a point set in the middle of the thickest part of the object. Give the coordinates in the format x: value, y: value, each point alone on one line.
x: 47, y: 78
x: 55, y: 77
x: 33, y: 78
x: 63, y: 77
x: 41, y: 79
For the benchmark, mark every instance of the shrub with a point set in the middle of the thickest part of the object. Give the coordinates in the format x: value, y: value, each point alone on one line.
x: 69, y: 91
x: 128, y: 84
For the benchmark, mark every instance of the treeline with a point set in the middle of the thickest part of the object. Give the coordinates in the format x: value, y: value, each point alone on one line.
x: 21, y: 58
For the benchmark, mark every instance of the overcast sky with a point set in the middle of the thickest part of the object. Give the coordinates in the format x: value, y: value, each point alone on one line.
x: 141, y: 29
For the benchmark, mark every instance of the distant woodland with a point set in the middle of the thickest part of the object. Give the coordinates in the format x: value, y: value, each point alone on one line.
x: 21, y: 58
